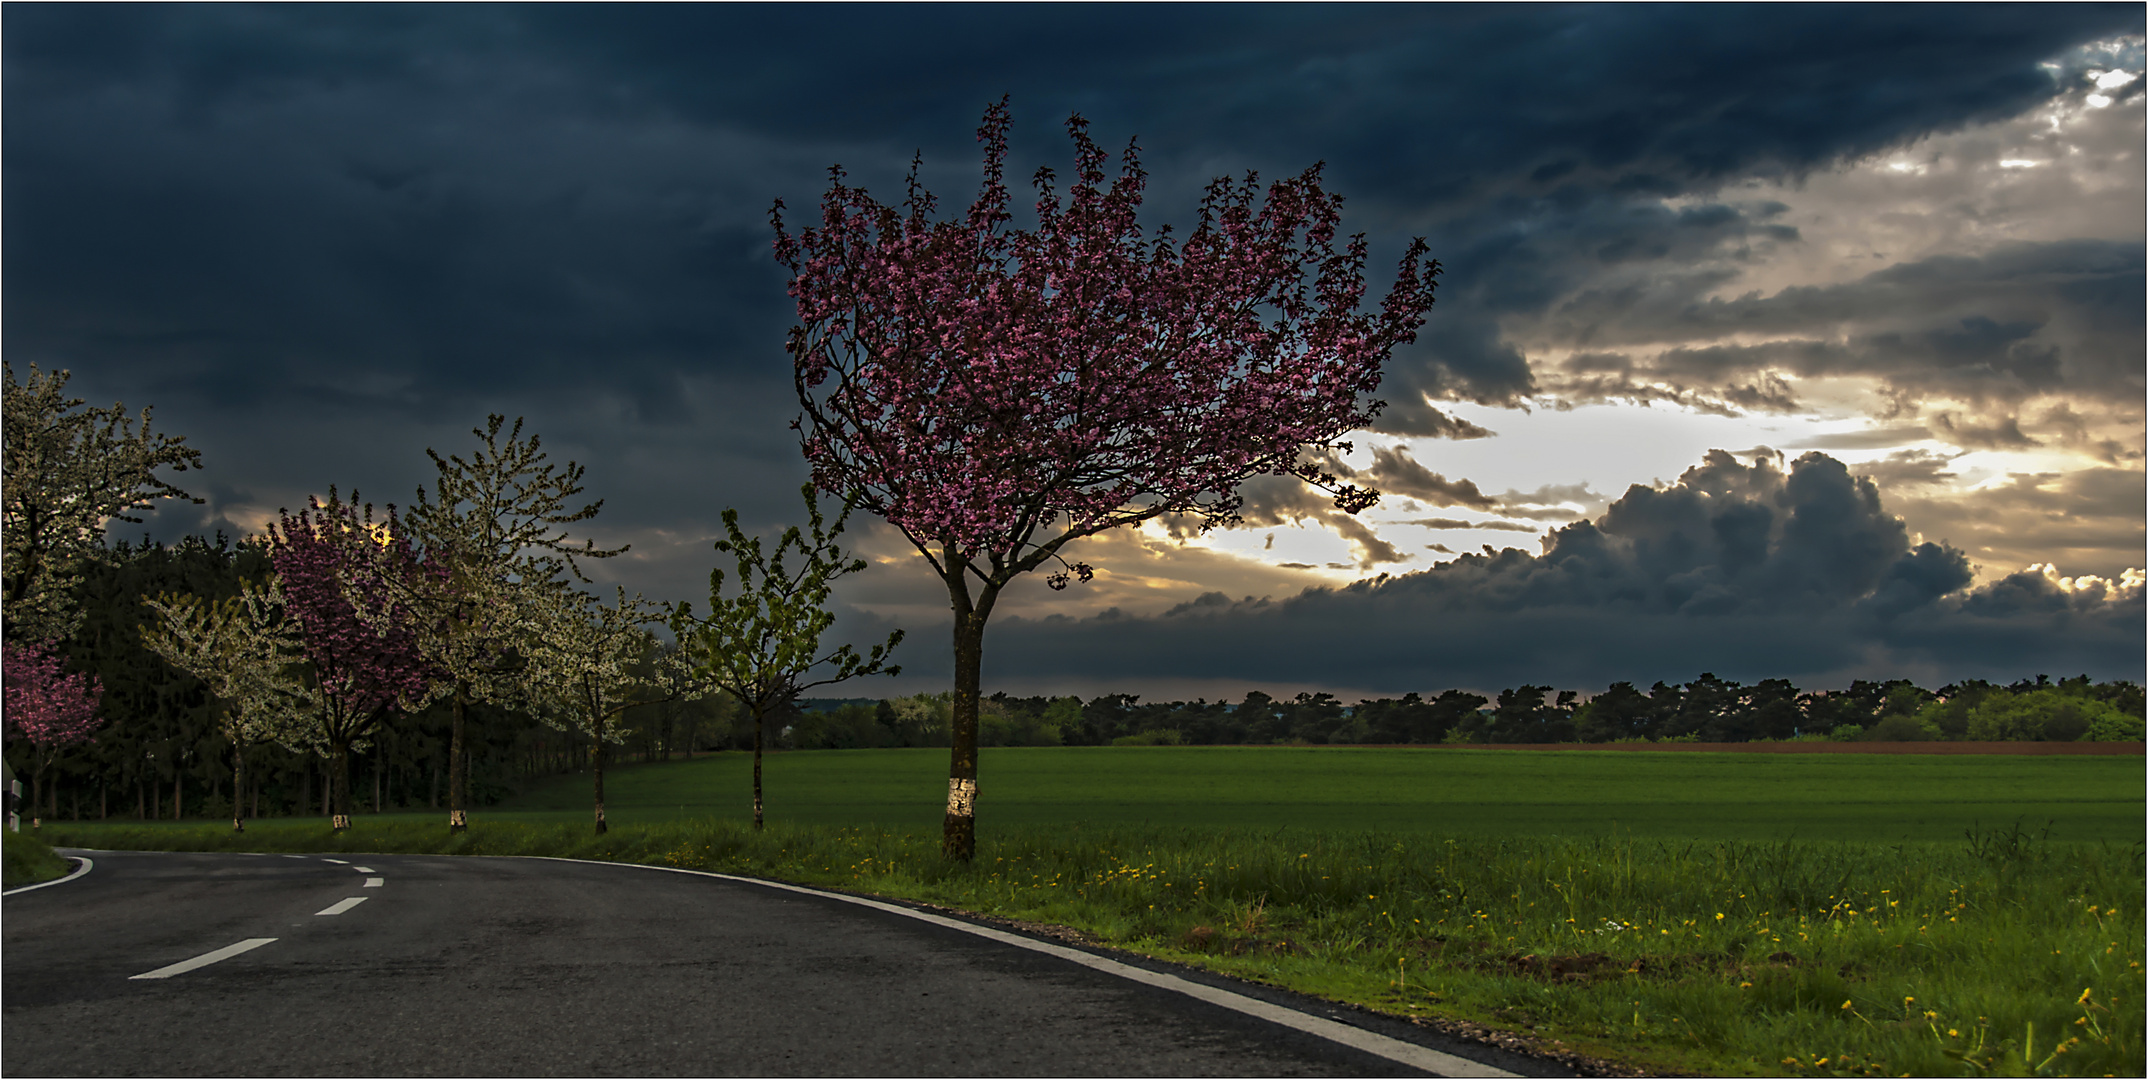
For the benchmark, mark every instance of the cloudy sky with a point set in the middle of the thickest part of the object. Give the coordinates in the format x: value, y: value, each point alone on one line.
x: 1779, y: 341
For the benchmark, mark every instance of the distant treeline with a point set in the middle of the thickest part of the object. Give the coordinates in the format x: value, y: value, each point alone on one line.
x: 1708, y: 709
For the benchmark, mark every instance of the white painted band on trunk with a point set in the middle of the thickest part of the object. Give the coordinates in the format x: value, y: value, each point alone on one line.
x: 341, y: 906
x: 961, y: 798
x: 82, y: 867
x: 1406, y: 1053
x: 205, y: 959
x: 374, y: 883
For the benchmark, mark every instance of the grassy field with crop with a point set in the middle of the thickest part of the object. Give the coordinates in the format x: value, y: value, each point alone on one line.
x: 1448, y: 791
x: 1747, y: 914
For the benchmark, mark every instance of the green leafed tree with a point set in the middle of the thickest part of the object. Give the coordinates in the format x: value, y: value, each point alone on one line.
x: 70, y: 471
x: 594, y: 662
x: 762, y: 645
x: 247, y: 654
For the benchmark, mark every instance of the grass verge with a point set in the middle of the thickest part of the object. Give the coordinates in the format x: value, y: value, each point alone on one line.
x: 2007, y: 954
x: 27, y: 860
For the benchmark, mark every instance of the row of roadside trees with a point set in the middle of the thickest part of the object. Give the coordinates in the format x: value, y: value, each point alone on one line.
x: 343, y: 631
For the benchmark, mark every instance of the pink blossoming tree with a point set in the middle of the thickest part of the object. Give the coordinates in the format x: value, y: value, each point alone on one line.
x: 364, y: 667
x: 995, y: 392
x: 47, y: 706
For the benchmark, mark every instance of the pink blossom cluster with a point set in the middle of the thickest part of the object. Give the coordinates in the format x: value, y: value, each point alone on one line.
x: 45, y: 704
x: 319, y: 553
x: 973, y: 382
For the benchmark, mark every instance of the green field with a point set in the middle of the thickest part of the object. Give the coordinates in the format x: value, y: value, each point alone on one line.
x: 1721, y: 914
x: 1869, y: 797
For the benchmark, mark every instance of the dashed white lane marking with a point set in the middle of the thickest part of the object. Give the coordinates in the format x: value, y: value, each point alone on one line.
x: 205, y: 959
x: 374, y: 882
x: 341, y: 906
x: 338, y: 862
x: 363, y: 869
x: 1411, y: 1054
x: 294, y: 856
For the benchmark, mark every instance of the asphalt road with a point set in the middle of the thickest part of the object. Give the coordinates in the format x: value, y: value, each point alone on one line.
x: 425, y: 965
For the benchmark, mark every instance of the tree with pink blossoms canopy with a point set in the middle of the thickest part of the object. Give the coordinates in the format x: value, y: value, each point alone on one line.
x: 46, y: 705
x: 995, y: 393
x: 364, y: 667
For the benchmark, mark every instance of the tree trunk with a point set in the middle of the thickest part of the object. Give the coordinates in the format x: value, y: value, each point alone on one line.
x: 758, y: 720
x: 238, y: 787
x: 596, y: 761
x: 458, y: 768
x: 178, y: 794
x: 959, y: 834
x: 339, y: 786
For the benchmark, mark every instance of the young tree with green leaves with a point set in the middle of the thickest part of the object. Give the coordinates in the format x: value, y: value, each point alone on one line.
x: 70, y: 472
x: 762, y: 646
x: 248, y: 655
x: 594, y: 662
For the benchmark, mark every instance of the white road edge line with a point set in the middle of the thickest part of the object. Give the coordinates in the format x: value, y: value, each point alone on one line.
x: 341, y: 906
x: 77, y: 872
x: 205, y: 959
x: 374, y: 883
x: 1411, y: 1054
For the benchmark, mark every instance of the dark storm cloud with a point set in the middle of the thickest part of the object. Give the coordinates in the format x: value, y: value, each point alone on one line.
x: 2088, y: 521
x: 464, y: 195
x: 1746, y: 570
x: 1461, y: 523
x: 1905, y: 469
x: 322, y: 238
x: 1395, y: 472
x: 2022, y: 320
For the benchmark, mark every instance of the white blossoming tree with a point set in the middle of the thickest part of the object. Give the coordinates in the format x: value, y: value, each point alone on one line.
x: 250, y: 658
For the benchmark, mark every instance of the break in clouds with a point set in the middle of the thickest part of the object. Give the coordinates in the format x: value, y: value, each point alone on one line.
x: 1760, y: 570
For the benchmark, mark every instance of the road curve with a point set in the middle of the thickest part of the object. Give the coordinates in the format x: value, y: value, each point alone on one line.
x: 182, y: 964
